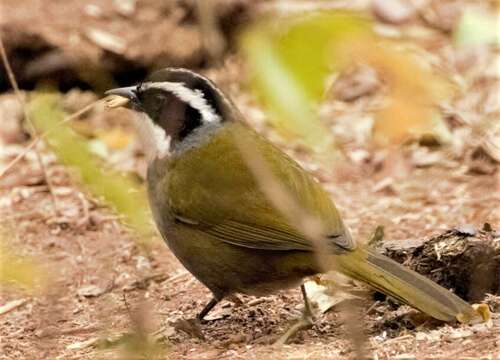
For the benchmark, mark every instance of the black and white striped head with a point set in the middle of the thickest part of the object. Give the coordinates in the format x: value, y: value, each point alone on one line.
x: 172, y: 105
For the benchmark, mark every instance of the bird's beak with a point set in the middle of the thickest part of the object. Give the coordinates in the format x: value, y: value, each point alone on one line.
x: 125, y: 96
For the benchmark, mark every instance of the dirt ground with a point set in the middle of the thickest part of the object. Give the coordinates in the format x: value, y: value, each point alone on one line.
x: 103, y: 289
x: 98, y: 275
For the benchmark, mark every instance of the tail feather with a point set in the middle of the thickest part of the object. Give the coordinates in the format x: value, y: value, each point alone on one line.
x: 403, y: 284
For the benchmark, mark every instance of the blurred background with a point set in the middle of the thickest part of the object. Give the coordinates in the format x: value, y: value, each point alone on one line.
x: 394, y: 106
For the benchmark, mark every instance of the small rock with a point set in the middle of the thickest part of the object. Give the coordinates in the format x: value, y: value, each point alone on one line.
x: 90, y: 291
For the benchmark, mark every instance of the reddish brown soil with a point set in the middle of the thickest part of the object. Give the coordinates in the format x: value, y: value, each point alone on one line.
x: 99, y: 252
x: 102, y: 289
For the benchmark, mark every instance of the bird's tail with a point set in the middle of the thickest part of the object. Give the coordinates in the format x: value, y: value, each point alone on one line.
x: 403, y: 284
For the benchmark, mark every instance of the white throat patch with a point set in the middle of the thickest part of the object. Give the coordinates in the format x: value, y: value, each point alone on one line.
x: 193, y: 98
x: 154, y: 141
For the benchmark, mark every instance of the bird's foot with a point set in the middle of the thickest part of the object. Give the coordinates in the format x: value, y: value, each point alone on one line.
x: 305, y: 322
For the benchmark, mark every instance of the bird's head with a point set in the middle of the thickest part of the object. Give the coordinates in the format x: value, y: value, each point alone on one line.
x: 172, y: 104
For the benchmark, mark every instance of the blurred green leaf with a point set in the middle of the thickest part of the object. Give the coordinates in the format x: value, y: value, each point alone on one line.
x: 291, y: 60
x: 17, y: 269
x: 133, y: 345
x: 124, y: 194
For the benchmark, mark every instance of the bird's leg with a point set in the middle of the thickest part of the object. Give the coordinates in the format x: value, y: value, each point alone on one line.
x: 306, y: 320
x: 307, y: 307
x: 206, y: 309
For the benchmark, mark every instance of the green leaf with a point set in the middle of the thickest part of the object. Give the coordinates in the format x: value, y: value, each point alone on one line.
x: 125, y: 195
x: 291, y: 60
x: 19, y: 270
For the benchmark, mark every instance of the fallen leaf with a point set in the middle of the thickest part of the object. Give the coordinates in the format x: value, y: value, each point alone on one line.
x: 324, y: 297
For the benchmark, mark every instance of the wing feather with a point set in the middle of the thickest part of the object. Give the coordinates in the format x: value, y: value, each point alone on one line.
x: 221, y: 197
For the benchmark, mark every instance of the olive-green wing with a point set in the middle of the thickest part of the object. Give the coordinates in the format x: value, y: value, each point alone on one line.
x: 212, y: 188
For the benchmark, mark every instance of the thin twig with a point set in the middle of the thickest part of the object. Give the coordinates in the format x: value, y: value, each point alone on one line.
x: 32, y: 129
x: 14, y: 304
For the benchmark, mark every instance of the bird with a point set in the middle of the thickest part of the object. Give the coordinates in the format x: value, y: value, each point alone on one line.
x: 214, y: 215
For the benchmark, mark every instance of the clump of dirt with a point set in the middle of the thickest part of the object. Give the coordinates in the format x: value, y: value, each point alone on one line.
x: 465, y: 259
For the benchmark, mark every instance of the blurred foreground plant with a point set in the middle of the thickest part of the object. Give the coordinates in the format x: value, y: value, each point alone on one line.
x: 18, y: 270
x: 289, y: 60
x: 121, y: 192
x: 292, y: 59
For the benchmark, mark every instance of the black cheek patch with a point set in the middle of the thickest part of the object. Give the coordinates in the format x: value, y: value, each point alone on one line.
x: 177, y: 118
x: 191, y: 122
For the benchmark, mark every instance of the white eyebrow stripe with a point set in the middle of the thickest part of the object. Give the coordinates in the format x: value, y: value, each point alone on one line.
x: 194, y: 98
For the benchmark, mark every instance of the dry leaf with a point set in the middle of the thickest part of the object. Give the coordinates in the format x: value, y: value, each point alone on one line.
x: 324, y: 297
x: 413, y: 90
x: 393, y: 11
